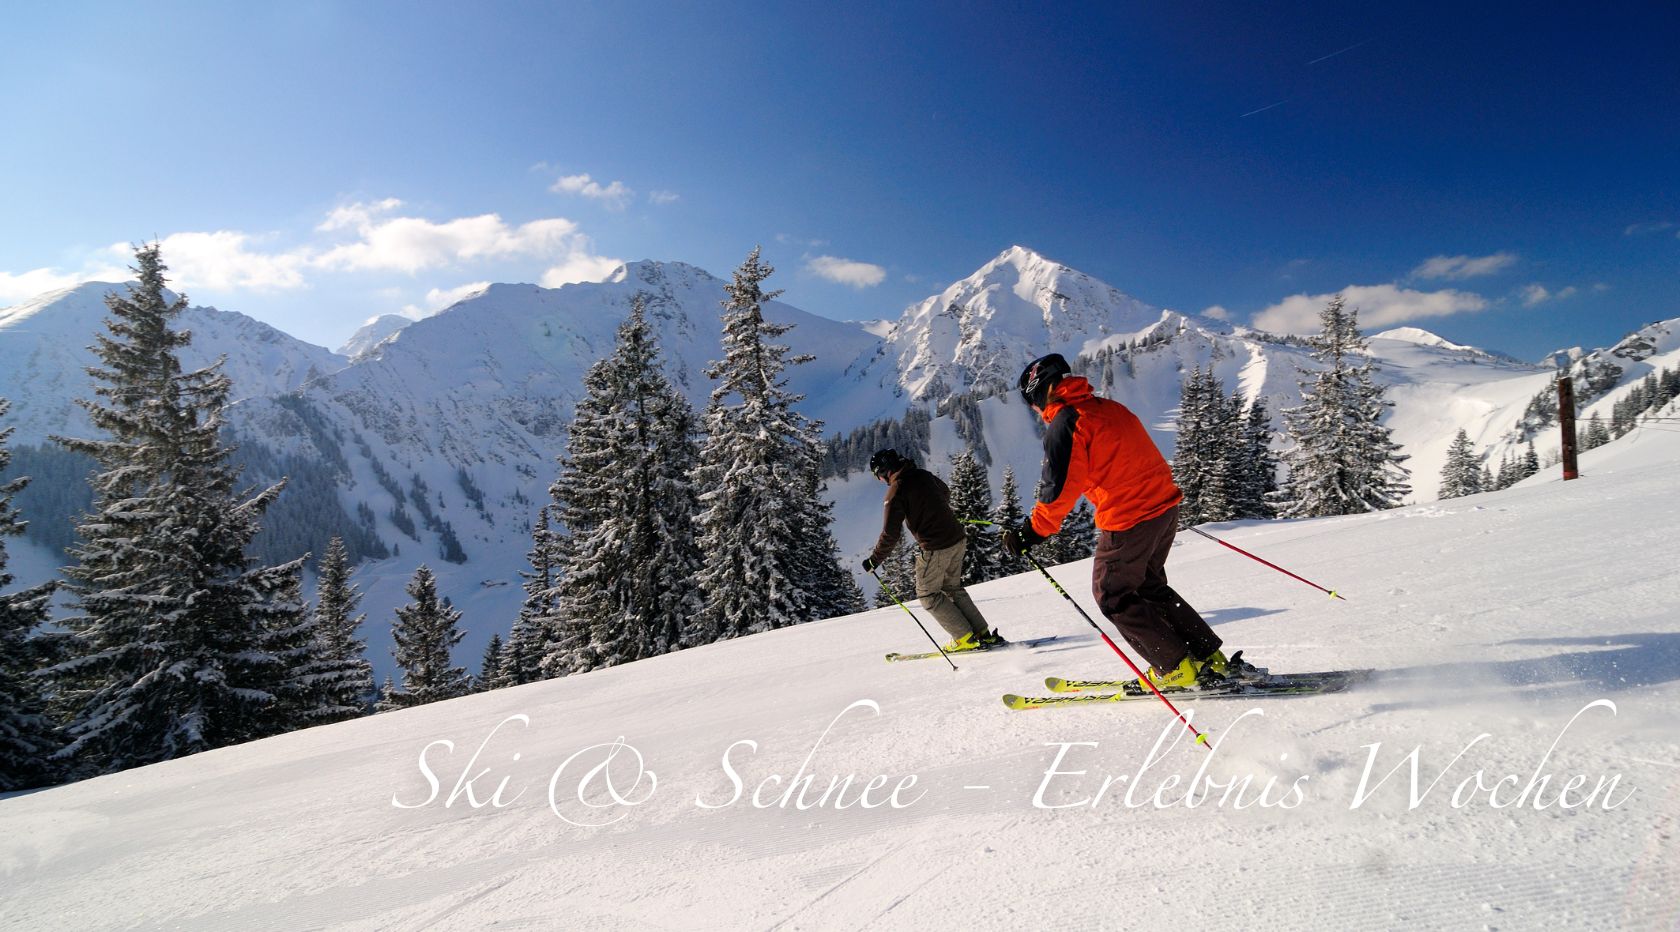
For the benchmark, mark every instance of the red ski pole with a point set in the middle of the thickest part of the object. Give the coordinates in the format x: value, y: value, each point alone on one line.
x: 1201, y: 739
x: 1333, y: 593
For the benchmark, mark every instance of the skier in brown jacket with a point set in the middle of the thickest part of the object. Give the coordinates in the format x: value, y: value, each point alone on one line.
x: 920, y: 499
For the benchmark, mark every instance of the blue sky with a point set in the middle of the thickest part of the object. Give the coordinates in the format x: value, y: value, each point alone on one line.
x: 1507, y: 176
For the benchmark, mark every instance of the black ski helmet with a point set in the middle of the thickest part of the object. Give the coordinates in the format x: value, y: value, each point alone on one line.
x: 1039, y: 376
x: 885, y: 462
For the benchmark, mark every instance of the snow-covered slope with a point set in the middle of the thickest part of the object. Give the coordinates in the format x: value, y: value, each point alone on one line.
x: 1502, y: 625
x: 461, y: 415
x: 44, y: 354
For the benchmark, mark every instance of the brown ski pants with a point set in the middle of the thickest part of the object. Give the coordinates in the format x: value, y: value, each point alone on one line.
x: 1129, y: 579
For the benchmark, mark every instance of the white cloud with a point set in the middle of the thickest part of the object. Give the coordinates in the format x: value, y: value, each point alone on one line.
x: 26, y: 285
x: 614, y: 195
x: 439, y: 298
x: 1655, y: 226
x: 224, y: 261
x: 359, y: 237
x: 580, y: 265
x: 1461, y: 267
x: 846, y: 271
x: 661, y: 198
x: 789, y: 240
x: 1378, y: 305
x: 411, y: 244
x: 1217, y: 312
x: 1536, y: 293
x: 355, y: 216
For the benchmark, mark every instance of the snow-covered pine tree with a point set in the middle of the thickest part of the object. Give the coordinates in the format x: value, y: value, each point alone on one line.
x: 898, y: 574
x: 342, y: 676
x: 1597, y: 434
x: 626, y: 494
x: 758, y: 524
x: 176, y: 646
x: 829, y: 590
x: 523, y: 652
x: 971, y: 500
x: 1344, y: 460
x: 490, y: 669
x: 1077, y: 540
x: 1192, y: 449
x: 1256, y: 484
x: 1530, y: 461
x: 1462, y: 474
x: 1007, y: 514
x: 425, y: 633
x: 389, y: 699
x: 27, y: 736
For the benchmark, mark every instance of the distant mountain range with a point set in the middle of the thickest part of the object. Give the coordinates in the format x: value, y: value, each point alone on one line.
x: 435, y: 440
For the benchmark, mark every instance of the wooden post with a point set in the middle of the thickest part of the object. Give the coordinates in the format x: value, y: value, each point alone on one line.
x: 1566, y: 420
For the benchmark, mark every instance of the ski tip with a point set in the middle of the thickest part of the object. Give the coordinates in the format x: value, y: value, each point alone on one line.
x: 1014, y: 702
x: 1056, y: 684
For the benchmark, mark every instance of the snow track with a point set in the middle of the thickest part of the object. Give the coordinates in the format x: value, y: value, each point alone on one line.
x: 1508, y: 615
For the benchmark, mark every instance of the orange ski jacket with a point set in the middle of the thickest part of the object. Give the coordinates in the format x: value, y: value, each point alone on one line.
x: 1099, y: 449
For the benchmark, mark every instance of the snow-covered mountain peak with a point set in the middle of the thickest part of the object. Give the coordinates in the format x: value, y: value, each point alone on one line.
x: 377, y: 330
x: 662, y: 275
x: 980, y: 331
x: 1419, y: 336
x: 66, y: 309
x: 45, y: 351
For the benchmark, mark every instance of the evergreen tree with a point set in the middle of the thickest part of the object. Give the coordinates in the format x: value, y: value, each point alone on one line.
x: 1192, y: 450
x: 1222, y: 461
x: 343, y: 676
x: 1008, y: 514
x: 971, y: 500
x: 1530, y: 462
x: 523, y: 653
x: 425, y: 633
x: 1257, y: 484
x: 180, y: 644
x: 897, y: 574
x: 490, y: 670
x: 389, y: 699
x: 1077, y: 540
x: 763, y: 527
x: 1597, y: 435
x: 1462, y: 474
x: 27, y: 737
x: 830, y: 590
x: 1344, y: 461
x: 627, y: 496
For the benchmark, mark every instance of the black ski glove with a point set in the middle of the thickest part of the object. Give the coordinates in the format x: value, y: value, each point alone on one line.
x: 869, y: 564
x: 1020, y: 540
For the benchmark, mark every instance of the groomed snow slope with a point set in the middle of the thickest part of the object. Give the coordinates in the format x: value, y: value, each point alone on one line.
x: 1506, y: 614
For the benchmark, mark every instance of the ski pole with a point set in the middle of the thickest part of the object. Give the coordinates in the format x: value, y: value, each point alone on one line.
x: 1201, y: 739
x: 889, y: 591
x: 1333, y: 593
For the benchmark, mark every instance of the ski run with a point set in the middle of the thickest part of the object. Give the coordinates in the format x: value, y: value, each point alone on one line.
x: 1515, y: 764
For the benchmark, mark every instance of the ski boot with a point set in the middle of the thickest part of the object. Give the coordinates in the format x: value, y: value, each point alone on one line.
x: 1187, y: 675
x: 1231, y: 668
x: 992, y: 639
x: 965, y: 643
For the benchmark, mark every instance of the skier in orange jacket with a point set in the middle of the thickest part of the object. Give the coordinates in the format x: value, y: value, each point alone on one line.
x: 1098, y: 449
